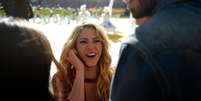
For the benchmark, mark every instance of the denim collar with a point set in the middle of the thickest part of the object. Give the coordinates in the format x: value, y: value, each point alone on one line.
x: 163, y: 3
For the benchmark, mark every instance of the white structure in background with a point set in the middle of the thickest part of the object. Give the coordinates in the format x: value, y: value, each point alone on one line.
x: 110, y: 7
x: 105, y: 17
x: 84, y: 14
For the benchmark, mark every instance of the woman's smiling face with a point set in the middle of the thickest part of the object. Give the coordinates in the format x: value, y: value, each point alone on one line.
x: 89, y: 46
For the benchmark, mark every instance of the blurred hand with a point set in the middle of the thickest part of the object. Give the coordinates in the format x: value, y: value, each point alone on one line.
x: 73, y: 59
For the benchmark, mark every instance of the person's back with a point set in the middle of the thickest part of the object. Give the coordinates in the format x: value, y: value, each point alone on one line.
x: 25, y: 62
x: 163, y: 58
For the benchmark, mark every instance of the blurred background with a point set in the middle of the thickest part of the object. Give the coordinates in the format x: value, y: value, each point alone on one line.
x: 57, y: 18
x: 63, y: 7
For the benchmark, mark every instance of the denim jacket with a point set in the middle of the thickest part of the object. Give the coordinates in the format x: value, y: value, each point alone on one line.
x: 162, y: 59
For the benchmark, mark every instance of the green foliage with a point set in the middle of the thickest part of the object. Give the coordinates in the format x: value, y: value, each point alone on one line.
x: 45, y: 11
x: 116, y: 12
x: 2, y: 13
x: 115, y: 36
x: 95, y: 11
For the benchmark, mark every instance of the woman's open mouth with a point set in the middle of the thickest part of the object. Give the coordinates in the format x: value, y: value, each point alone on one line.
x: 91, y: 55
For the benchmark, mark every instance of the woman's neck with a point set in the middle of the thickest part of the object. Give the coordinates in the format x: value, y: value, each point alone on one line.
x: 91, y: 72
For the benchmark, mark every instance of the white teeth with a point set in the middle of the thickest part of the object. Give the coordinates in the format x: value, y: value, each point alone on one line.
x: 126, y: 1
x: 91, y: 54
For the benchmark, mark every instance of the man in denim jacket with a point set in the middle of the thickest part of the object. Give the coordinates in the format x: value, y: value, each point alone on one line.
x: 162, y: 59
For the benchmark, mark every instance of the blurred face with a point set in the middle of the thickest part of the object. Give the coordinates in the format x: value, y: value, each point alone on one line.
x: 133, y: 5
x: 89, y: 47
x: 140, y: 8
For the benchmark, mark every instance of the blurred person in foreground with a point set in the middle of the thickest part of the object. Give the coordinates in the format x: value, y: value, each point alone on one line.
x: 25, y: 62
x: 18, y: 8
x: 160, y: 61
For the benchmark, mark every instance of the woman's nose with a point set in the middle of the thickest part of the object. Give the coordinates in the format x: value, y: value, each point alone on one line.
x: 90, y: 46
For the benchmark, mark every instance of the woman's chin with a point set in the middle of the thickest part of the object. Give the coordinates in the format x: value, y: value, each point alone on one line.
x: 91, y: 65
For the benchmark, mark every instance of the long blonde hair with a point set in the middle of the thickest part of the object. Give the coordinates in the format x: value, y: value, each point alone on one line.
x: 104, y: 63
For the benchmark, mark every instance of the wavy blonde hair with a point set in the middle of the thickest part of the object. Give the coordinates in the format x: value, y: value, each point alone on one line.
x: 104, y: 63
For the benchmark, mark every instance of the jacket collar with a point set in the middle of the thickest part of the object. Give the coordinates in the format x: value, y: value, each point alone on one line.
x: 162, y: 3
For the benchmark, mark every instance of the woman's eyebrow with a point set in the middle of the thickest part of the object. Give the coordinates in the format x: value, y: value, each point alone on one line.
x: 83, y: 38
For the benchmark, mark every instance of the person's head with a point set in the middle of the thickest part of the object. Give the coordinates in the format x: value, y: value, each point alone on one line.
x: 91, y: 44
x: 83, y: 7
x: 92, y: 47
x: 106, y: 9
x: 141, y: 8
x: 26, y: 57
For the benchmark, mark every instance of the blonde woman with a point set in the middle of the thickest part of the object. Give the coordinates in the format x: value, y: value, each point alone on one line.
x: 87, y: 74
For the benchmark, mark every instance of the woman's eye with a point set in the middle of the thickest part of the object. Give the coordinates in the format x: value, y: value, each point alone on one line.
x: 97, y: 41
x: 83, y: 41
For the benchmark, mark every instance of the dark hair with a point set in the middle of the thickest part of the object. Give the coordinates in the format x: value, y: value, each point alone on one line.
x: 25, y: 61
x: 18, y: 8
x: 145, y: 8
